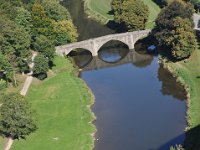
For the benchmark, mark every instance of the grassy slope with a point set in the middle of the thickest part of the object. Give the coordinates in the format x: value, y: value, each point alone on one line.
x: 102, y: 7
x: 154, y: 11
x: 62, y: 103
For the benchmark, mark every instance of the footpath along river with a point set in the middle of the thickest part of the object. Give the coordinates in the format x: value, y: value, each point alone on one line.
x: 138, y: 104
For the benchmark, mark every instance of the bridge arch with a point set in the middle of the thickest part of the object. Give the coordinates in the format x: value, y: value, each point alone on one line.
x: 110, y: 40
x: 115, y: 48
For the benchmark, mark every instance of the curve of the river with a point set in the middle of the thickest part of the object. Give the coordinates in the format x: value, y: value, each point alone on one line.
x: 139, y: 105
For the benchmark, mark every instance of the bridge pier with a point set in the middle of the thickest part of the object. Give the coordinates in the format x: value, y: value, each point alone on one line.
x: 94, y: 53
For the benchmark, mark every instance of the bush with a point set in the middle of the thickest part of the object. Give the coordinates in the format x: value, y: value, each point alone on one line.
x: 3, y: 84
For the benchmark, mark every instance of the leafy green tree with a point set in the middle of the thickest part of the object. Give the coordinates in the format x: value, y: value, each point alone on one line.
x: 23, y: 19
x: 64, y: 32
x: 45, y: 46
x: 16, y: 117
x: 183, y: 42
x: 133, y: 14
x: 177, y: 8
x: 42, y: 24
x: 6, y: 69
x: 55, y: 10
x: 41, y: 67
x: 174, y: 30
x: 15, y: 42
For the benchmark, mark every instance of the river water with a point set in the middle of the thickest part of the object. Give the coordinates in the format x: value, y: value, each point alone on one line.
x: 139, y: 105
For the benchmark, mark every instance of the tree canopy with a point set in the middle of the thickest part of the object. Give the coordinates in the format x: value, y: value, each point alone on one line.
x: 28, y: 25
x: 133, y: 14
x: 174, y: 30
x: 16, y: 117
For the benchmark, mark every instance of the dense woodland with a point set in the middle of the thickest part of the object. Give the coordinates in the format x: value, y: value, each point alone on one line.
x: 28, y: 26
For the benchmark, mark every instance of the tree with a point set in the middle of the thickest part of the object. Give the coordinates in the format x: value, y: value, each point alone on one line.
x: 42, y: 24
x: 177, y: 8
x: 174, y: 30
x: 183, y: 38
x: 64, y: 32
x: 23, y: 19
x: 16, y: 117
x: 45, y: 47
x: 6, y: 69
x: 133, y: 14
x: 55, y: 11
x: 41, y: 67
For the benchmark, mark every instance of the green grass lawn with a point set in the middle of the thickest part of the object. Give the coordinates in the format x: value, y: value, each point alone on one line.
x: 1, y: 143
x: 62, y: 103
x: 154, y: 11
x: 101, y: 8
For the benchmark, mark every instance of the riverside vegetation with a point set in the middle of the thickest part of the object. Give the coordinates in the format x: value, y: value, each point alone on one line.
x: 32, y: 25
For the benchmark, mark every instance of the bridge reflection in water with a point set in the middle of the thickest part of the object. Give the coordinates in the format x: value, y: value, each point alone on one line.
x: 95, y: 63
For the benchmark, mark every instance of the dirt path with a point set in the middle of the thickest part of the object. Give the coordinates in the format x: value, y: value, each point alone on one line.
x: 29, y: 78
x: 8, y: 143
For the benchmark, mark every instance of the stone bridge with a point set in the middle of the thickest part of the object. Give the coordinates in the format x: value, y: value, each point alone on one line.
x: 132, y: 57
x: 93, y: 45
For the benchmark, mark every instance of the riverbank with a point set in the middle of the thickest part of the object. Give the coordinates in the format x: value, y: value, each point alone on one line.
x: 100, y: 11
x: 188, y: 74
x: 62, y: 103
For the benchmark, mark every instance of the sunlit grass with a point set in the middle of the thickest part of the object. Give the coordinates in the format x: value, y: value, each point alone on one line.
x: 99, y: 9
x: 62, y: 103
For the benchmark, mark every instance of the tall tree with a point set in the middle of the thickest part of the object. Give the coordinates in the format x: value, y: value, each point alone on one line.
x: 16, y: 117
x: 45, y: 47
x: 41, y: 67
x: 55, y: 10
x: 133, y: 14
x: 174, y: 30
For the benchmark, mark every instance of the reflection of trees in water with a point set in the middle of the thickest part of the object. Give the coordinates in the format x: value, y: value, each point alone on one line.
x: 81, y: 57
x: 113, y: 51
x: 143, y: 60
x: 169, y: 84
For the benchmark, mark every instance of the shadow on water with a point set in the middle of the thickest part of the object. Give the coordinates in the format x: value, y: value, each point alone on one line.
x: 169, y: 84
x: 192, y: 140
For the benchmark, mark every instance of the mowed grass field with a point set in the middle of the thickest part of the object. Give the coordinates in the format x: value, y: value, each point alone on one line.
x: 1, y: 143
x: 154, y: 10
x: 103, y: 7
x: 62, y: 103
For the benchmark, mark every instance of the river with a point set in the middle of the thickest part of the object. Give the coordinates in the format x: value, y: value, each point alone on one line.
x: 138, y: 104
